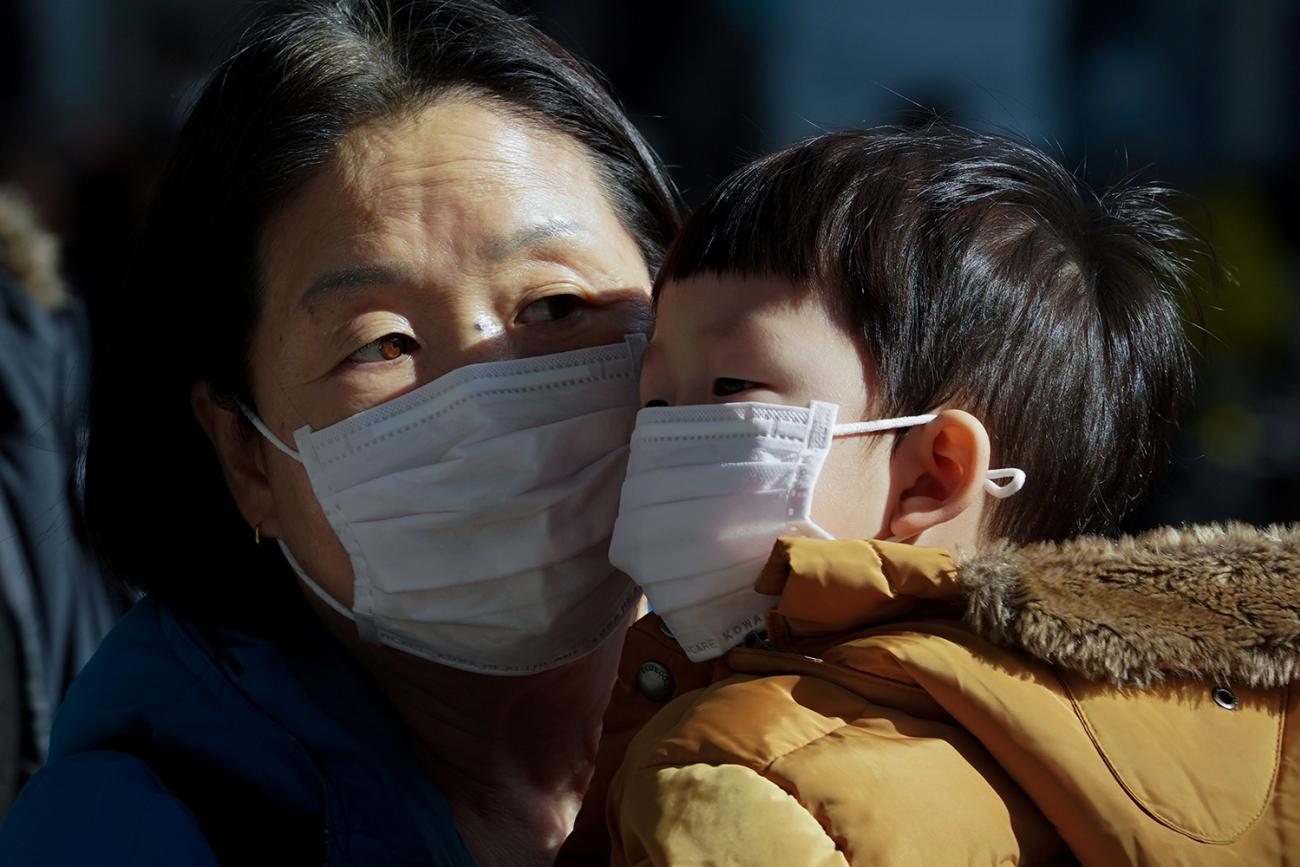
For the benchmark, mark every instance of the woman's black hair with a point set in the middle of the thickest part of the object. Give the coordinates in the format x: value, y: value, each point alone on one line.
x: 976, y: 272
x: 303, y: 76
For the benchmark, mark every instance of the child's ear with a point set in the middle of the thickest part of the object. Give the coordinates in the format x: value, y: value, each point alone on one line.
x: 938, y: 472
x: 240, y: 455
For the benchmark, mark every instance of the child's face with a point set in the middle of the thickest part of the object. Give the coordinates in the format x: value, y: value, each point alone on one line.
x: 729, y: 339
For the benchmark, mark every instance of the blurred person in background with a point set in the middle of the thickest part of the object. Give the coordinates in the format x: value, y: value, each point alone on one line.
x: 54, y: 605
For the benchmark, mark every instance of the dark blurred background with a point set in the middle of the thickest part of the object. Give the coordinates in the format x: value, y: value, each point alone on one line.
x: 1199, y: 93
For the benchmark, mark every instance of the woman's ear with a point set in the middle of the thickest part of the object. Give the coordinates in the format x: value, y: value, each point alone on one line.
x: 241, y: 459
x: 938, y: 471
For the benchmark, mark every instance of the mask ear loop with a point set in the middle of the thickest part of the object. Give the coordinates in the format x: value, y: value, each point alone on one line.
x: 636, y: 343
x: 883, y: 424
x: 1015, y: 477
x: 266, y: 432
x: 1016, y: 481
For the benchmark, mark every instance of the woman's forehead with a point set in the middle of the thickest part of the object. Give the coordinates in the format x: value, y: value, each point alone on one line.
x: 457, y: 139
x: 457, y: 186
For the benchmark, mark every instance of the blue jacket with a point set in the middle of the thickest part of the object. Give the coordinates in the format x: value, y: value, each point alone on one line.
x: 190, y: 744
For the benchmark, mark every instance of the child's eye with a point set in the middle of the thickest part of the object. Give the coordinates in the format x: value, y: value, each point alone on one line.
x: 552, y: 308
x: 390, y: 347
x: 726, y: 386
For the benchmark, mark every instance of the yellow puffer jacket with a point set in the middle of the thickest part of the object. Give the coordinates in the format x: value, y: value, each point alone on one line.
x: 1093, y: 702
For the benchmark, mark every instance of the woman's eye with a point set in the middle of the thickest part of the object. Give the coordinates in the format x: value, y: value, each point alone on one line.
x: 726, y: 386
x: 390, y: 347
x: 552, y: 308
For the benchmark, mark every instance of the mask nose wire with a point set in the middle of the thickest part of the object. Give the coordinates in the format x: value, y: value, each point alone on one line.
x: 266, y: 432
x: 636, y: 344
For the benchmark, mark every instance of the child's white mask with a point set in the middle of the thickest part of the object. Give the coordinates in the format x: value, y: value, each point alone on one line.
x: 477, y: 509
x: 708, y: 491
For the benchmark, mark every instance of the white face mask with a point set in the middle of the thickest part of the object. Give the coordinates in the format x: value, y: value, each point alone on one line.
x: 708, y: 491
x: 477, y: 509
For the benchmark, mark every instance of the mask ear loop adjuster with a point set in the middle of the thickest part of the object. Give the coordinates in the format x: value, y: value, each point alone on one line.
x: 1016, y: 481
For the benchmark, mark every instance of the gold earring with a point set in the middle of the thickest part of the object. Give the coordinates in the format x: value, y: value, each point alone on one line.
x: 257, y: 535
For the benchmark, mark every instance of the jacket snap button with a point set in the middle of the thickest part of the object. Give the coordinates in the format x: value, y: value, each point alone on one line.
x: 1224, y: 698
x: 655, y: 681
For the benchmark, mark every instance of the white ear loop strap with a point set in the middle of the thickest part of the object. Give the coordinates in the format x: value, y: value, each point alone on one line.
x: 266, y: 432
x: 861, y: 427
x: 1015, y: 477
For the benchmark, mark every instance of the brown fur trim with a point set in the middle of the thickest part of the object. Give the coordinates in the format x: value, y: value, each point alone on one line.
x: 1213, y: 603
x: 28, y: 252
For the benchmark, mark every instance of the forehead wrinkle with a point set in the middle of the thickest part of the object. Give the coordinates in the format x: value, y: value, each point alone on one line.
x: 531, y: 238
x: 392, y: 179
x: 378, y: 174
x: 395, y: 201
x: 400, y: 146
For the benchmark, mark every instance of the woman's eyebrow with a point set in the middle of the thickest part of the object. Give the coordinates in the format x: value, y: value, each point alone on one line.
x: 335, y: 283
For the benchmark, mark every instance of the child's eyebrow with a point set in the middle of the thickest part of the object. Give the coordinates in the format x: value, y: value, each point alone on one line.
x: 722, y: 327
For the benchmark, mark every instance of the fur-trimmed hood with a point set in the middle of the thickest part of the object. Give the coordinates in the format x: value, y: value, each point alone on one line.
x: 1214, y: 603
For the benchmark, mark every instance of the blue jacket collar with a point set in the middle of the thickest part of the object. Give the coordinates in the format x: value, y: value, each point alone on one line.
x: 291, y: 721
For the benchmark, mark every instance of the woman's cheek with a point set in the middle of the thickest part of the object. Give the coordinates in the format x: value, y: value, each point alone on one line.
x: 308, y: 534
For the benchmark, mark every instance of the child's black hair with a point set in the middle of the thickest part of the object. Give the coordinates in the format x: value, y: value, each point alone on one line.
x: 978, y: 273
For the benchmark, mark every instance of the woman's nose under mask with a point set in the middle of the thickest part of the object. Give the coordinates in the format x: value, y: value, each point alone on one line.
x: 708, y: 491
x: 476, y: 510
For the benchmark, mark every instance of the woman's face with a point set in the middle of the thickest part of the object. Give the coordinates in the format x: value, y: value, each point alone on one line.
x: 462, y: 234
